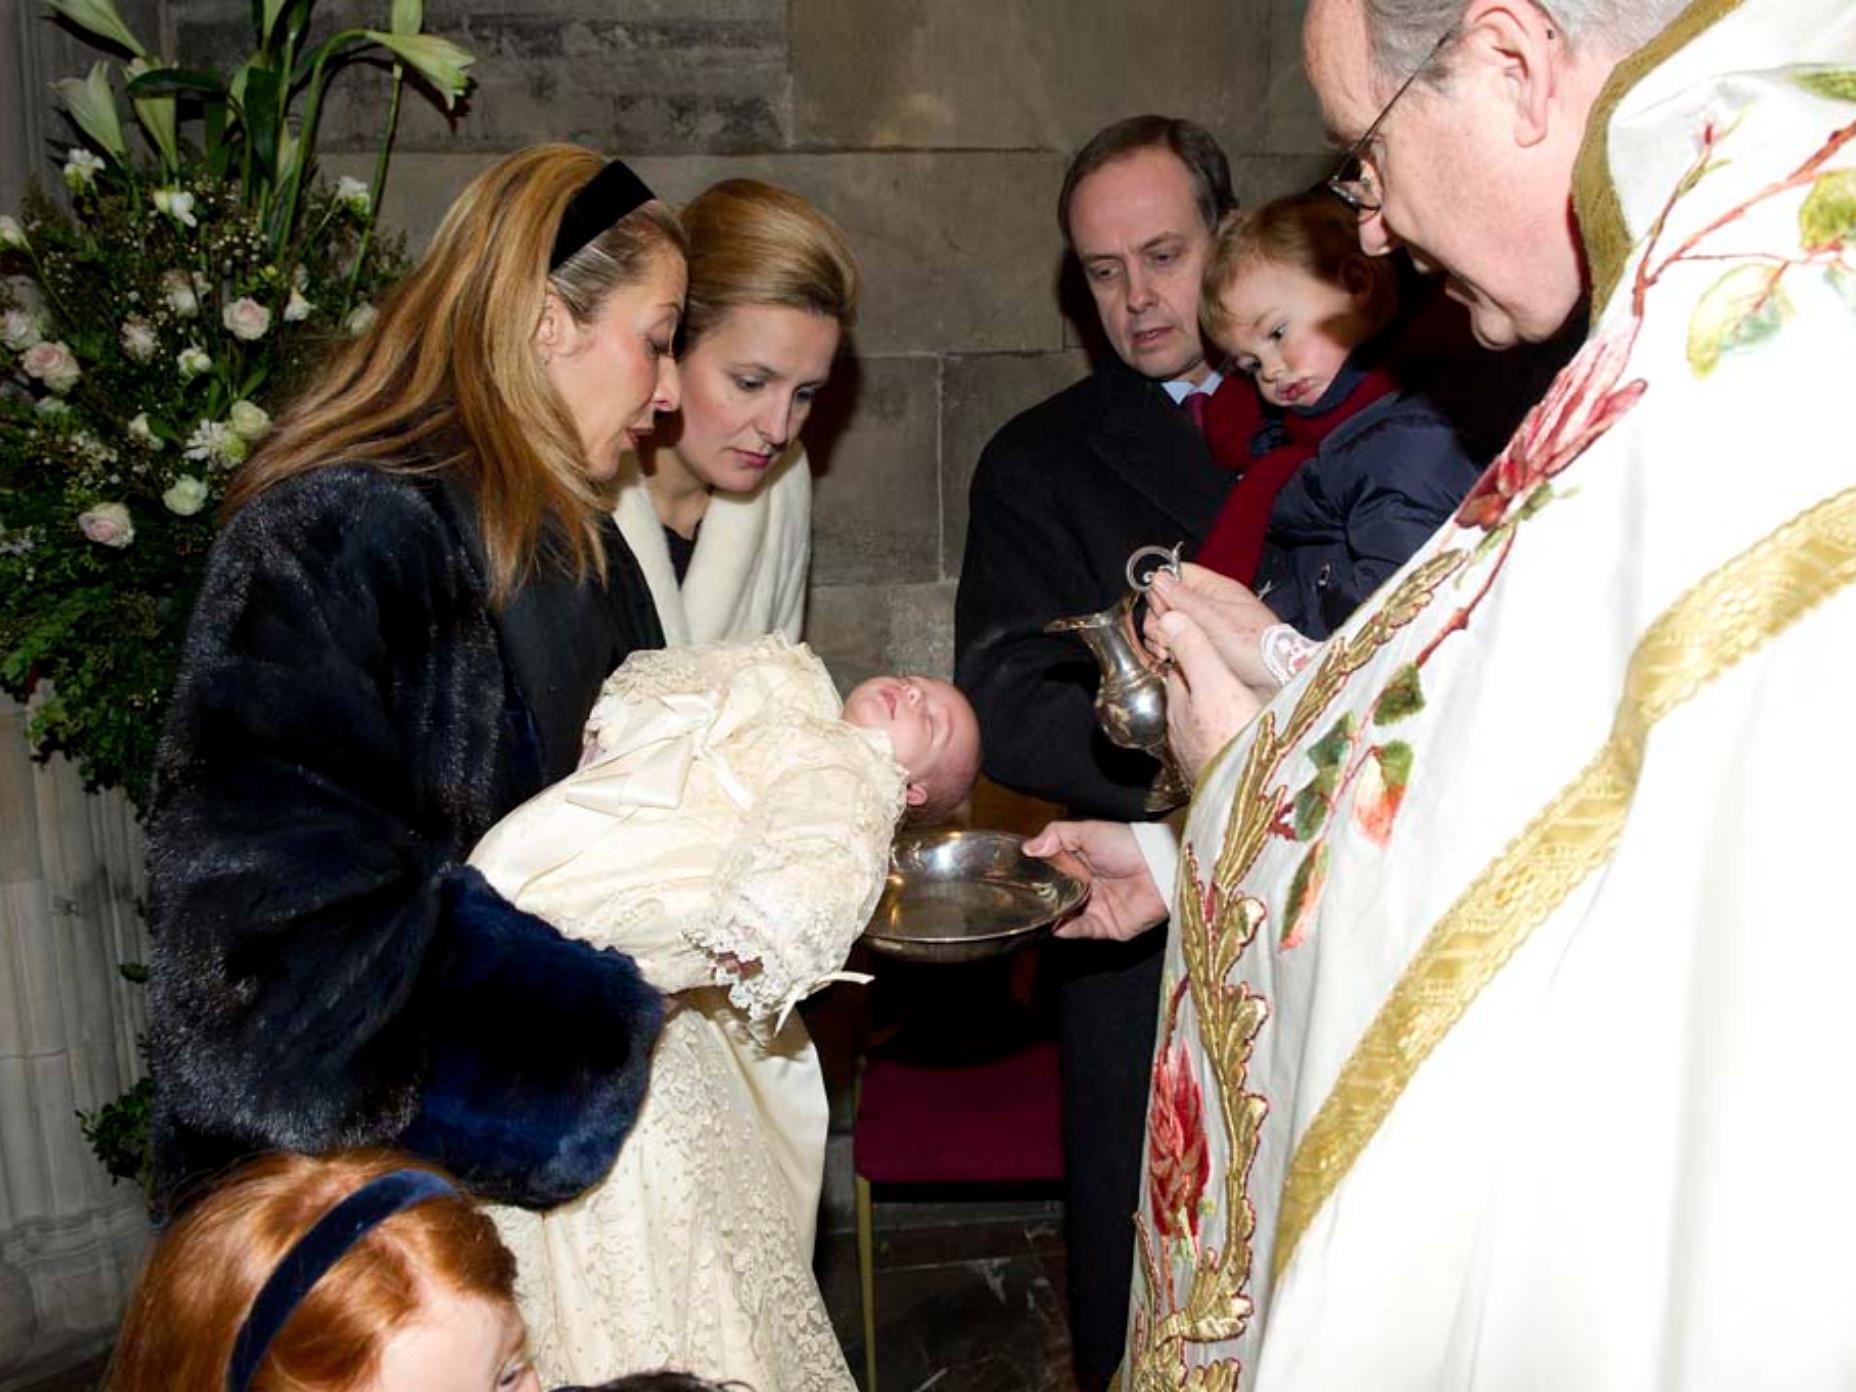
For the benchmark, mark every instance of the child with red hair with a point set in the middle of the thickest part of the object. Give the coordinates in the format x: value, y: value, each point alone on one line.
x: 360, y: 1271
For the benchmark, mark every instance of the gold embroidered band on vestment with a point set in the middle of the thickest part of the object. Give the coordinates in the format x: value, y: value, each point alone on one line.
x: 1744, y: 604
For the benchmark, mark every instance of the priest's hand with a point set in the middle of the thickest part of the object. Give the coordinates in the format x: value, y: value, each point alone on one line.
x: 1124, y: 901
x: 1231, y: 616
x: 1206, y: 702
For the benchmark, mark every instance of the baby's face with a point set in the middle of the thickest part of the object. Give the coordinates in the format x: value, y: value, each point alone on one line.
x: 931, y: 729
x: 1291, y: 330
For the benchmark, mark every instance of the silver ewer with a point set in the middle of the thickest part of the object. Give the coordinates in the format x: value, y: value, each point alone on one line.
x: 1131, y: 700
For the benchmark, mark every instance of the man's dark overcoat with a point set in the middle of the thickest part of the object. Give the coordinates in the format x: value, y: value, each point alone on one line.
x: 1061, y: 497
x: 351, y: 716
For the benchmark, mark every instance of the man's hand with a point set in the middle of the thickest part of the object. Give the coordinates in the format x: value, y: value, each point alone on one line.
x: 1228, y: 614
x: 1123, y: 900
x: 1206, y: 703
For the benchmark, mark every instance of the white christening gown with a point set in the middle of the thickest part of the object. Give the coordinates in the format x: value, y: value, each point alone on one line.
x: 731, y: 835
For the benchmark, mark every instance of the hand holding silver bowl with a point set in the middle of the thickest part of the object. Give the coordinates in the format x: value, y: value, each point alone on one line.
x: 955, y: 895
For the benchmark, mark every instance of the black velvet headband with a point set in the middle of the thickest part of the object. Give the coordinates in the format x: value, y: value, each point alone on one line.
x: 605, y: 198
x: 315, y: 1252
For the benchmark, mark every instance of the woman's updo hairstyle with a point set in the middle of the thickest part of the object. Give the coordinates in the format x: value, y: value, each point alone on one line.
x: 206, y: 1271
x: 753, y: 244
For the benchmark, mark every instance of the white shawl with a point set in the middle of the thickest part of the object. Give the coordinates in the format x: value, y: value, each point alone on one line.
x: 748, y: 576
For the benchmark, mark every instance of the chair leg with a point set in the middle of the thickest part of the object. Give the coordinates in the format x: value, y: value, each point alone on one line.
x: 866, y: 1274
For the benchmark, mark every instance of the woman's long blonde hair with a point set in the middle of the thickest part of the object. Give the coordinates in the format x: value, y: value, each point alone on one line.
x: 206, y: 1271
x: 450, y: 365
x: 754, y: 244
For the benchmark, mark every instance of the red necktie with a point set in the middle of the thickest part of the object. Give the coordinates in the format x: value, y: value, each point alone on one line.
x: 1195, y: 404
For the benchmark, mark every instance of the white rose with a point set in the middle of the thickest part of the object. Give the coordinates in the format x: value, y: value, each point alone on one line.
x: 11, y: 233
x: 19, y: 329
x: 51, y: 406
x: 249, y: 419
x: 53, y: 364
x: 360, y: 319
x: 178, y: 290
x: 298, y: 308
x: 192, y: 361
x: 216, y: 443
x: 107, y: 524
x: 175, y: 204
x: 246, y: 319
x: 81, y: 168
x: 138, y: 339
x: 353, y: 195
x: 186, y: 497
x: 94, y: 449
x: 139, y: 429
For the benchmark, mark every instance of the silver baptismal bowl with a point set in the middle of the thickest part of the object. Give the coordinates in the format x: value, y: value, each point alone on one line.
x: 957, y: 896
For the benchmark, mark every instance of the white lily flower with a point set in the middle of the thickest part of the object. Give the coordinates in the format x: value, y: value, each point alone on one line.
x: 81, y: 168
x: 177, y: 204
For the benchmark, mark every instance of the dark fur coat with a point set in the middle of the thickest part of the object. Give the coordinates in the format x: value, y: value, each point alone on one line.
x: 350, y: 717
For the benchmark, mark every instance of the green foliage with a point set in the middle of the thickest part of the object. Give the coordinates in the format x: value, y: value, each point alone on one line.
x: 150, y: 327
x: 1745, y: 307
x: 118, y: 1133
x: 1828, y: 214
x: 1402, y: 698
x: 1839, y: 84
x: 153, y: 323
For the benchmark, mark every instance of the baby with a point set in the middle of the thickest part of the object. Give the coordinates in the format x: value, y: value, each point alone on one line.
x: 729, y: 829
x: 1351, y: 469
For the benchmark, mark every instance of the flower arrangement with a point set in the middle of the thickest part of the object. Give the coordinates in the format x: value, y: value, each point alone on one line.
x: 151, y: 323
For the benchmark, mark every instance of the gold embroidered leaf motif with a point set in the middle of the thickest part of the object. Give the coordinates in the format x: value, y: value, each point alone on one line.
x: 1839, y: 84
x: 1743, y: 308
x: 1214, y: 1377
x: 1828, y: 214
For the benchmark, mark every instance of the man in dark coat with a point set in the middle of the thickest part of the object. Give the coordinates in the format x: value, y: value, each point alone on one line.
x: 1062, y: 495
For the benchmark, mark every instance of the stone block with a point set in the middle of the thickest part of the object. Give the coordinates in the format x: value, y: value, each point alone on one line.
x: 1259, y: 178
x: 1292, y: 116
x: 861, y: 630
x: 959, y: 249
x: 707, y: 76
x: 1022, y: 74
x: 873, y: 442
x: 978, y: 395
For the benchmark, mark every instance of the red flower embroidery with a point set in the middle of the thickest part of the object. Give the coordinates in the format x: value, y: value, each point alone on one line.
x: 1178, y: 1162
x: 1583, y: 403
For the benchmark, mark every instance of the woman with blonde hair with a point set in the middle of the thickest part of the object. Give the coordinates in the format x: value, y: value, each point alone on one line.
x: 718, y: 504
x: 404, y: 623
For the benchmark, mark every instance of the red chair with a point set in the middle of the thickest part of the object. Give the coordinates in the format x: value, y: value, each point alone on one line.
x: 995, y: 1122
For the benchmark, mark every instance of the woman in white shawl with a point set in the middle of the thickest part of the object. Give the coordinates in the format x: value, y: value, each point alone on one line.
x: 717, y: 506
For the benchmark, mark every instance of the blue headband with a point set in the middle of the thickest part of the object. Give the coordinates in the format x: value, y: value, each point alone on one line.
x: 602, y: 200
x: 315, y: 1252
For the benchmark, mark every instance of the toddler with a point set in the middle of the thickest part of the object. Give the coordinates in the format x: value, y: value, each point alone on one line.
x: 1350, y: 469
x: 729, y: 829
x: 360, y: 1271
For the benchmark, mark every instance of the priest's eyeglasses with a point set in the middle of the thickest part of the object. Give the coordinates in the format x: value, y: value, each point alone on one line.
x: 1354, y: 181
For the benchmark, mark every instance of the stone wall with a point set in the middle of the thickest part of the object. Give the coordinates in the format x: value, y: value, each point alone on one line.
x: 936, y: 131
